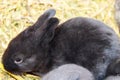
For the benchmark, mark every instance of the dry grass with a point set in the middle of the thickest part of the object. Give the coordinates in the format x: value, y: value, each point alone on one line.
x: 16, y: 15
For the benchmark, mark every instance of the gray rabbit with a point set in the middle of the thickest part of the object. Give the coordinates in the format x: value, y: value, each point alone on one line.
x: 47, y: 45
x: 69, y: 72
x: 73, y: 72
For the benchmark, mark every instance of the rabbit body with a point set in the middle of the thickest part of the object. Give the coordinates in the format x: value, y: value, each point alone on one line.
x: 92, y: 45
x: 46, y: 45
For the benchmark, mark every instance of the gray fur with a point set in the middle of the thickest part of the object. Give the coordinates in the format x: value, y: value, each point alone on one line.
x: 69, y: 72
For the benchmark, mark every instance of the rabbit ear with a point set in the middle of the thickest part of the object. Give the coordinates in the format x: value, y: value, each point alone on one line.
x: 50, y: 12
x: 45, y: 33
x: 44, y: 17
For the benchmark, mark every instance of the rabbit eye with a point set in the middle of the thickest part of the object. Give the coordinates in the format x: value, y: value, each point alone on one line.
x: 18, y: 60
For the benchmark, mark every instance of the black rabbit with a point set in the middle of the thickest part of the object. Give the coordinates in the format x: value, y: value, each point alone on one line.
x: 47, y: 44
x: 69, y: 72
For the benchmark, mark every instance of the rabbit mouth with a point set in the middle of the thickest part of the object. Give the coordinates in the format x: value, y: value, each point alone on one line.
x: 32, y: 73
x: 22, y: 73
x: 19, y: 73
x: 35, y: 74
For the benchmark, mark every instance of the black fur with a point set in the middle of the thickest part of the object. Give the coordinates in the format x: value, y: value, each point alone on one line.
x: 47, y: 45
x: 113, y: 68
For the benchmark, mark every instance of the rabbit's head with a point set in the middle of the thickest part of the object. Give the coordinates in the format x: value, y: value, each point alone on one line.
x: 27, y: 50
